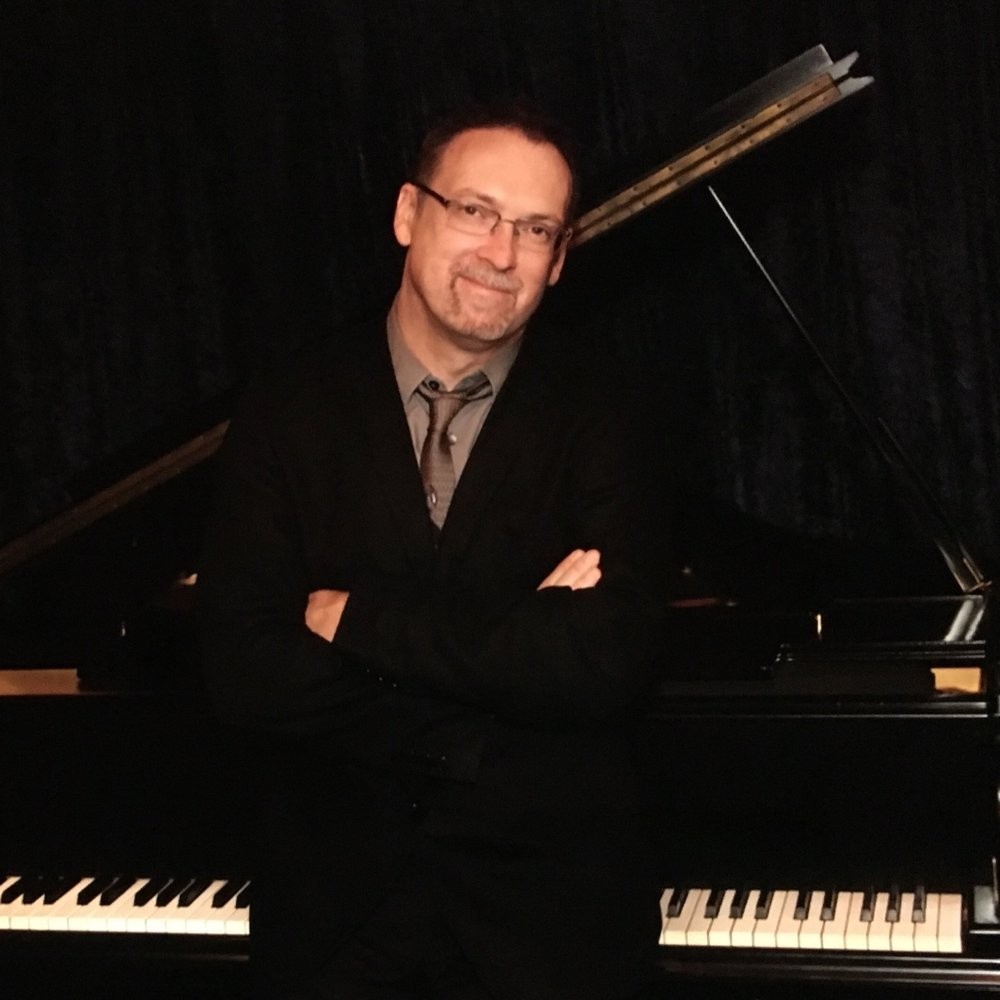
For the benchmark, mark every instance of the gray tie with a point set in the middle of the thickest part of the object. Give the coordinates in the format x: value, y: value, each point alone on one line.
x: 436, y: 467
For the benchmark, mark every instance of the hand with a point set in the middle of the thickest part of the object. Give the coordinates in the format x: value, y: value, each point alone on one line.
x: 324, y: 610
x: 580, y: 570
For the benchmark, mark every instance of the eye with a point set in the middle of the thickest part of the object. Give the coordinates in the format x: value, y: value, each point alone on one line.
x: 541, y: 234
x: 473, y: 211
x: 540, y: 231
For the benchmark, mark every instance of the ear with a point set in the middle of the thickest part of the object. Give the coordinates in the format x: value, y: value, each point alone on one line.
x: 557, y: 265
x: 402, y: 220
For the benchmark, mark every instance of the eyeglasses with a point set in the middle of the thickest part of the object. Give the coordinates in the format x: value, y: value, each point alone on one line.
x: 478, y: 220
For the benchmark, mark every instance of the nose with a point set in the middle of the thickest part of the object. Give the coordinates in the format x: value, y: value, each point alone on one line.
x: 500, y: 245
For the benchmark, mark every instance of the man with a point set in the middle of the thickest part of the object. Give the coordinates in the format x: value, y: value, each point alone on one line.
x: 435, y: 625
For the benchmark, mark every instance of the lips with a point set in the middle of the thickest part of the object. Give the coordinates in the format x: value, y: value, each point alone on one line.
x: 489, y: 281
x: 478, y: 286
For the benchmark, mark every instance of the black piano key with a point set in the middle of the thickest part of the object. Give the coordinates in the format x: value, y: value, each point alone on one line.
x: 713, y: 903
x: 868, y: 905
x: 829, y: 904
x: 892, y: 907
x: 58, y: 886
x: 919, y: 905
x: 193, y: 891
x: 34, y: 890
x: 676, y: 903
x: 739, y: 904
x: 172, y: 890
x: 243, y: 897
x: 225, y: 893
x: 764, y: 901
x: 15, y: 891
x: 93, y: 889
x: 802, y: 904
x: 148, y: 892
x: 117, y: 889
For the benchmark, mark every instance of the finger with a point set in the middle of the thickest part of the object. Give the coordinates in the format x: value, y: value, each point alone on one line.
x: 554, y: 578
x: 568, y: 569
x: 587, y: 580
x: 573, y: 569
x: 580, y: 569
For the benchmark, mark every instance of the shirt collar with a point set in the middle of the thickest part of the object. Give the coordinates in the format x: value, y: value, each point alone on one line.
x: 410, y: 372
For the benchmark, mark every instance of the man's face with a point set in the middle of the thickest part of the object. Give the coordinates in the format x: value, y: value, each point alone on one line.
x: 478, y: 291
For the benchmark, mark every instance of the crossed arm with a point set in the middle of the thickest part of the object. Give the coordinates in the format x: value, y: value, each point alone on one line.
x: 580, y: 570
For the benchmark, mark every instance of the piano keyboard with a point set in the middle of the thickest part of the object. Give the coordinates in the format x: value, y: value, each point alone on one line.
x: 124, y: 905
x: 890, y: 921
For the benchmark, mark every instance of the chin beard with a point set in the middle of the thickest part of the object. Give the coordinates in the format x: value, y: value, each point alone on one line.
x: 481, y: 336
x: 488, y: 329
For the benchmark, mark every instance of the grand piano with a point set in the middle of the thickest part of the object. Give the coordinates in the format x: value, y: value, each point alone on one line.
x: 821, y: 787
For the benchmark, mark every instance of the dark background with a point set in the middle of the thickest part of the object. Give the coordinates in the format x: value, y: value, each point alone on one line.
x: 191, y: 190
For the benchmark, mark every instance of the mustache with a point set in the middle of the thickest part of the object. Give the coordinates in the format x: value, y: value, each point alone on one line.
x: 486, y: 275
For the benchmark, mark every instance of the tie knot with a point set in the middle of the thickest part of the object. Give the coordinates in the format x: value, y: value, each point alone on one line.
x: 445, y: 404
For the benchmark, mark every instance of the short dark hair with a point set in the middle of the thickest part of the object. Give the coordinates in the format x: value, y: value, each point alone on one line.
x: 531, y: 122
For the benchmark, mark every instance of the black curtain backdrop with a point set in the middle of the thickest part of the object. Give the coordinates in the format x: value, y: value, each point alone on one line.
x: 191, y: 190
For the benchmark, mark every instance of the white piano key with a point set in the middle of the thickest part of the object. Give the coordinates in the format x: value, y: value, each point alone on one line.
x: 835, y: 928
x: 950, y: 923
x: 880, y: 929
x: 79, y: 915
x: 141, y: 912
x: 45, y: 915
x: 202, y: 917
x: 59, y: 911
x: 901, y: 938
x: 5, y: 884
x: 696, y: 934
x: 788, y: 926
x: 130, y: 916
x: 720, y: 933
x: 177, y: 919
x: 239, y: 923
x: 742, y: 932
x: 165, y: 919
x: 856, y: 931
x: 664, y: 903
x: 20, y: 913
x: 765, y: 932
x: 811, y: 931
x: 925, y: 934
x: 675, y: 929
x: 787, y: 935
x: 114, y: 917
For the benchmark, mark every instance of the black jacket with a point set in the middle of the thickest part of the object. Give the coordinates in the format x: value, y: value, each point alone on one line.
x: 462, y: 719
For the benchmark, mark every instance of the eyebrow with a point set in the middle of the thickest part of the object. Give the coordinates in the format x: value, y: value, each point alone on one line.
x: 491, y: 202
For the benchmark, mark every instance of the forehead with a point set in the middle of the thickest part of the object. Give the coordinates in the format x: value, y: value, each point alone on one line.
x: 522, y: 176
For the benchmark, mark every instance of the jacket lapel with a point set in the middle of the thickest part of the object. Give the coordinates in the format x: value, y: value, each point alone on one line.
x: 397, y: 498
x: 512, y: 433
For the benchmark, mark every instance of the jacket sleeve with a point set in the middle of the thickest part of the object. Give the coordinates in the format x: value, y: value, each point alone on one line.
x: 264, y: 669
x: 554, y: 654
